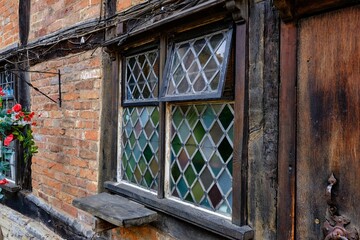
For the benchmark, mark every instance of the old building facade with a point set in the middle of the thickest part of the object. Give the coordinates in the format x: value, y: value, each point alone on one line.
x: 202, y: 115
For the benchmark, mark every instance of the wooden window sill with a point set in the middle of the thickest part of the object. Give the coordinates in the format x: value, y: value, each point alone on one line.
x: 210, y: 222
x: 117, y: 210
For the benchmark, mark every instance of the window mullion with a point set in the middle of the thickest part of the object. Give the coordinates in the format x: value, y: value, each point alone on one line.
x: 240, y: 128
x: 162, y: 125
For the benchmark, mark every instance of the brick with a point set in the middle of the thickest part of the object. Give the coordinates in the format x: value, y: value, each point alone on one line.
x: 92, y: 135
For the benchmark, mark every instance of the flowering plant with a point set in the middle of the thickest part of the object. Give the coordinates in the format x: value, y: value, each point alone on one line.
x: 15, y: 124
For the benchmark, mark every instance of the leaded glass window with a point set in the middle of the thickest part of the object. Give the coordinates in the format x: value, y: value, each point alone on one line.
x: 140, y: 144
x: 182, y: 150
x: 197, y: 67
x: 202, y: 154
x: 142, y: 77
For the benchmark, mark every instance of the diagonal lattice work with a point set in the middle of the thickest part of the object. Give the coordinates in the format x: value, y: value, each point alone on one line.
x: 202, y: 155
x: 140, y: 145
x: 142, y: 76
x: 197, y: 64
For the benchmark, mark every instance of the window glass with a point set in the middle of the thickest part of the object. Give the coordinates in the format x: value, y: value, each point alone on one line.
x: 140, y: 144
x: 142, y: 77
x: 202, y: 154
x: 197, y: 67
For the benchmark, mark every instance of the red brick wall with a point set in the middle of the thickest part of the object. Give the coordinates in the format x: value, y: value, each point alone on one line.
x: 125, y: 4
x: 66, y: 166
x: 48, y: 16
x: 9, y: 22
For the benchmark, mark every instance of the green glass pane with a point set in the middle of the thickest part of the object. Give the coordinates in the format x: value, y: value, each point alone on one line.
x: 155, y: 117
x: 148, y: 178
x: 197, y: 192
x: 128, y: 173
x: 192, y: 117
x: 148, y: 153
x: 225, y: 149
x: 142, y: 165
x: 175, y: 172
x: 134, y: 115
x: 198, y: 161
x: 189, y: 198
x: 200, y: 108
x: 190, y: 175
x: 176, y: 144
x: 177, y: 117
x: 191, y: 146
x: 226, y: 117
x: 132, y: 140
x: 199, y: 132
x: 132, y: 162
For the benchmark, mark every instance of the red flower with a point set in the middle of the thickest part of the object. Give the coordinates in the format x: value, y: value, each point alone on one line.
x: 3, y: 181
x: 17, y: 107
x: 8, y: 139
x: 8, y: 111
x: 2, y: 92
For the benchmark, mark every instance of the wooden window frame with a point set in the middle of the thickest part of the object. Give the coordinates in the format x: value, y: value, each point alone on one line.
x: 231, y: 228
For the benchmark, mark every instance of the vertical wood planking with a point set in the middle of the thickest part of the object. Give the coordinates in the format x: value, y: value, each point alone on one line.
x: 328, y: 129
x: 287, y: 132
x: 239, y: 216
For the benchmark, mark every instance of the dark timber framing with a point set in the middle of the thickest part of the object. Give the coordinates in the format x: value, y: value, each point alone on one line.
x: 240, y: 128
x: 287, y: 132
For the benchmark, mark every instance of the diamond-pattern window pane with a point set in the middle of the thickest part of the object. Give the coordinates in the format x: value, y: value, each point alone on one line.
x: 9, y: 161
x: 140, y: 144
x: 142, y: 72
x: 196, y: 66
x: 201, y: 154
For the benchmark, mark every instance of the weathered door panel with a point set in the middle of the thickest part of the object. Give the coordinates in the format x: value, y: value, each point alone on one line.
x: 328, y: 121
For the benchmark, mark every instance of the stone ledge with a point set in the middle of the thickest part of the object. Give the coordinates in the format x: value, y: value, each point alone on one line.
x: 17, y: 226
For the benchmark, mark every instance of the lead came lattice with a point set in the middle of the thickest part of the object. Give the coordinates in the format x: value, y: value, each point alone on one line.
x: 202, y: 154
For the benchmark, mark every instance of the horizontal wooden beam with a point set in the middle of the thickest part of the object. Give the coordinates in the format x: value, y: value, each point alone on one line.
x: 291, y: 10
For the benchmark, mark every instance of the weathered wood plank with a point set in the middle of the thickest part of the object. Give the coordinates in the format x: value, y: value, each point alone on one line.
x: 328, y: 119
x: 287, y: 132
x: 241, y: 126
x: 115, y: 209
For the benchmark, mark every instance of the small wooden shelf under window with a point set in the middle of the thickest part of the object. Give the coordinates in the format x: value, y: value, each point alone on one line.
x: 117, y: 210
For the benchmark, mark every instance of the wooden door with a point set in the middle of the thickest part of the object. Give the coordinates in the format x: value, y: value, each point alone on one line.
x: 328, y: 119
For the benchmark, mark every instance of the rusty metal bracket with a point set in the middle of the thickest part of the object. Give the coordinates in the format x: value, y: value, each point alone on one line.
x: 335, y: 226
